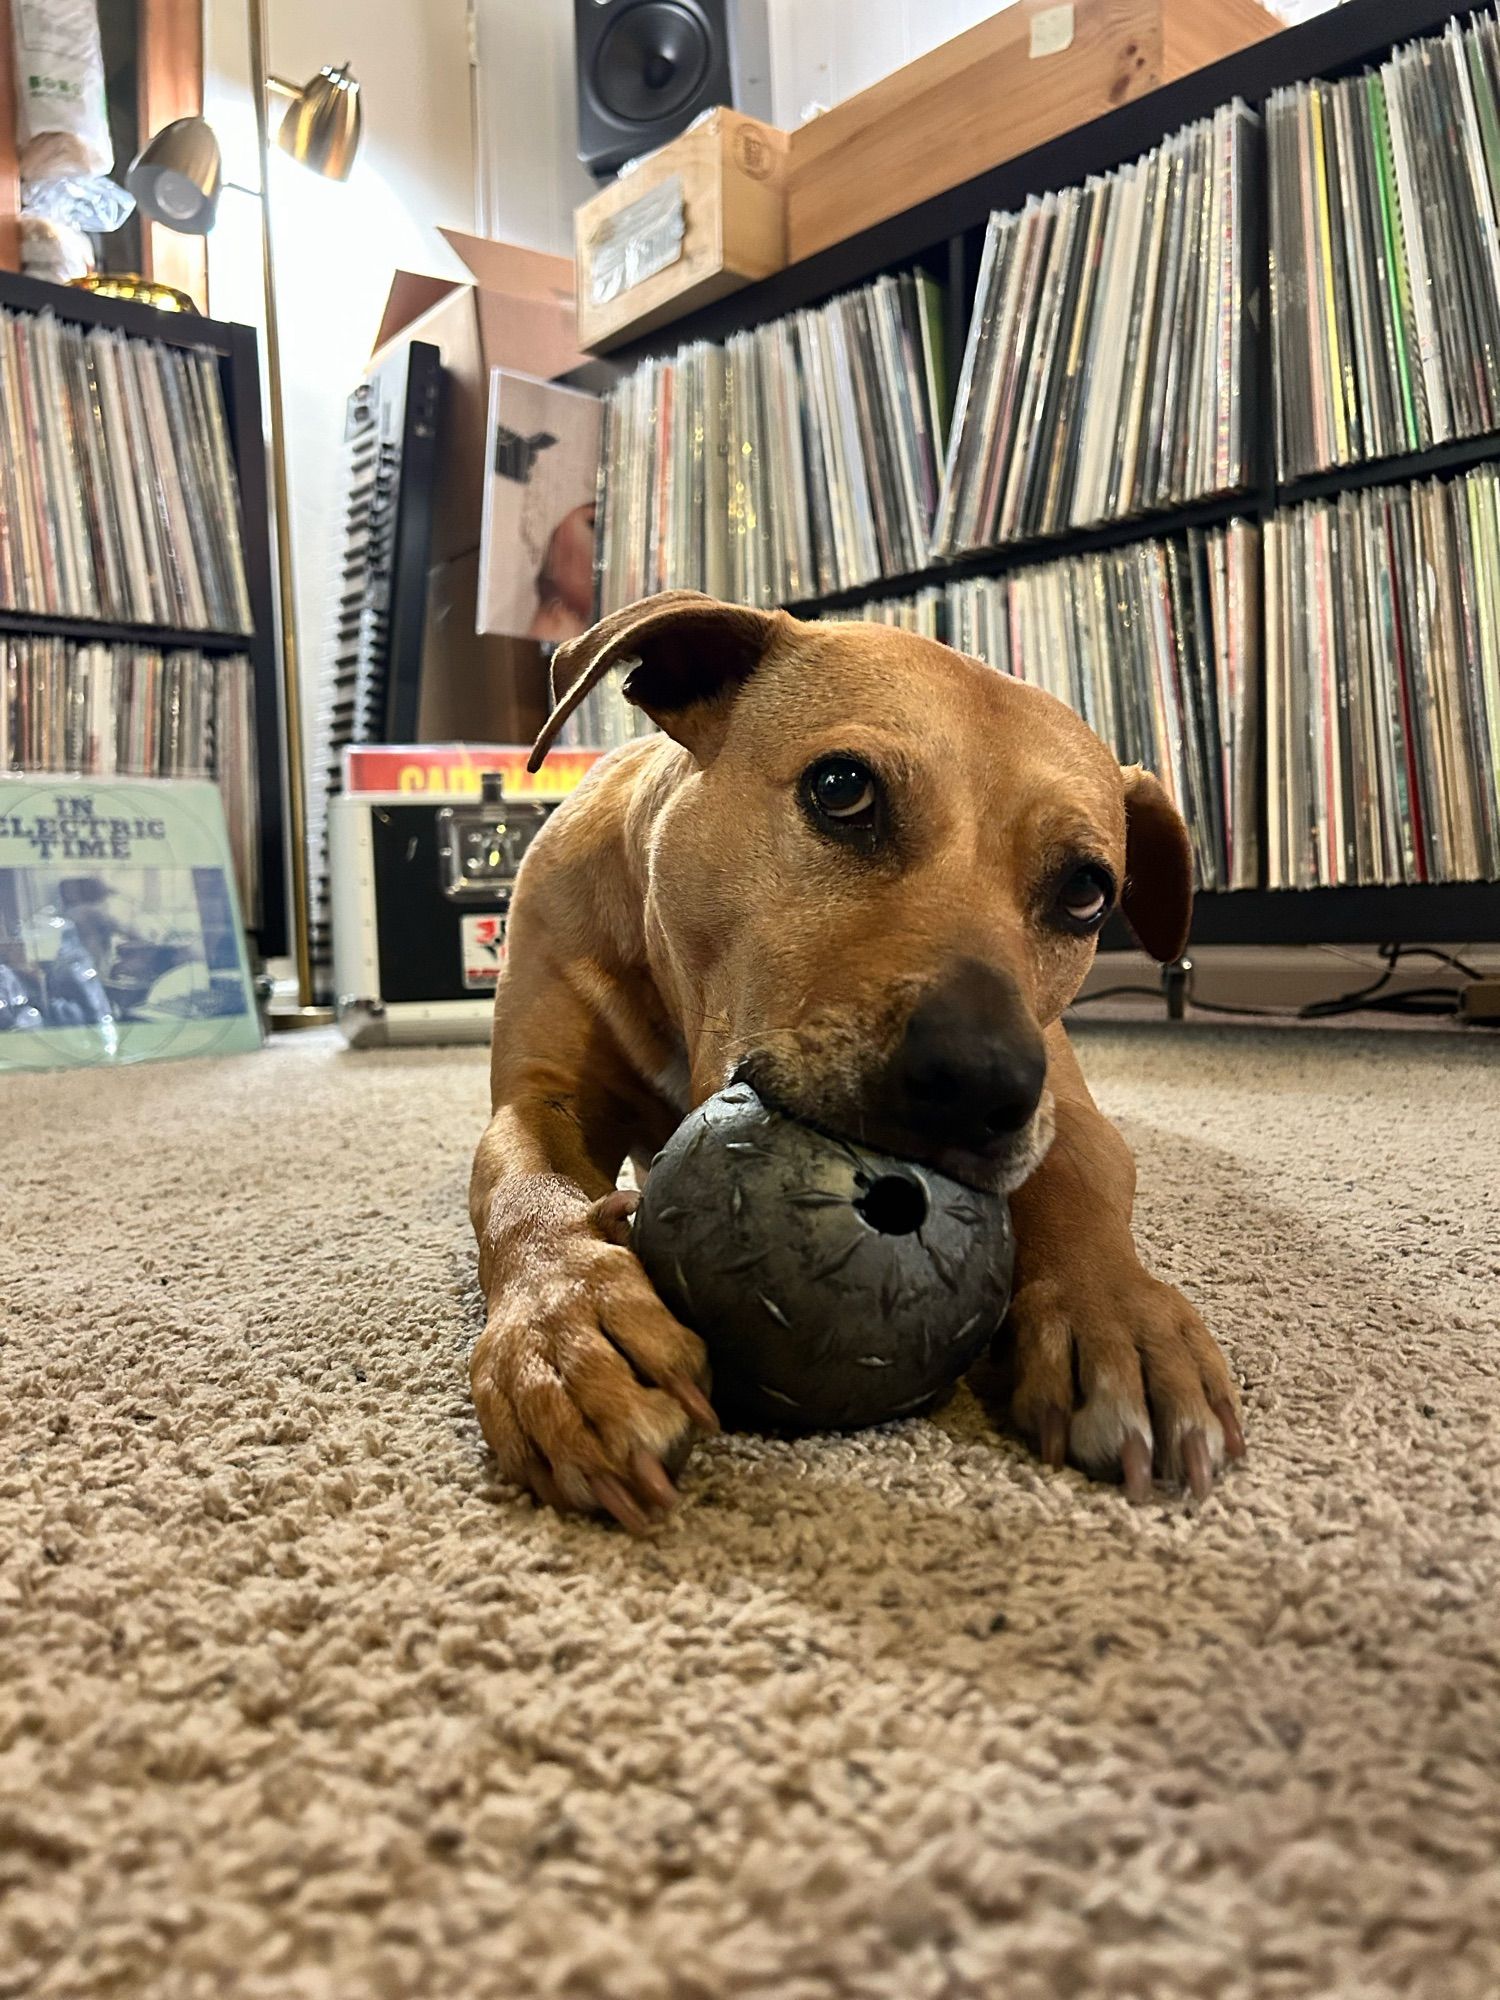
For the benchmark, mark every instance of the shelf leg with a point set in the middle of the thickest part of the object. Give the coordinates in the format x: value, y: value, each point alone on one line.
x: 1174, y: 985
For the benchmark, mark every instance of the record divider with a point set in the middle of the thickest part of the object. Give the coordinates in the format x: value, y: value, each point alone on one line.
x: 944, y: 235
x: 237, y: 352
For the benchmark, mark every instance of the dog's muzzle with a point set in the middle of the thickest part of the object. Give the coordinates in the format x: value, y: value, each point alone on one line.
x: 964, y: 1088
x: 969, y: 1070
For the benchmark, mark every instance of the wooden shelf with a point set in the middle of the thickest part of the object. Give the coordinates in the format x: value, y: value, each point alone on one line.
x: 170, y: 86
x: 10, y: 187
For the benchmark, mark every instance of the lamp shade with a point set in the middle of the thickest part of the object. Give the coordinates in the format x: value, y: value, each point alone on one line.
x: 322, y: 124
x: 177, y: 176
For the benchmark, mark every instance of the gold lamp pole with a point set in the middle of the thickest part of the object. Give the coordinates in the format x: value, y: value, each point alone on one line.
x: 177, y: 178
x: 291, y: 684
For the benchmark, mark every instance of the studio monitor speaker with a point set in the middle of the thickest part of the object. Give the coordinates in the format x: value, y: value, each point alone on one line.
x: 647, y: 68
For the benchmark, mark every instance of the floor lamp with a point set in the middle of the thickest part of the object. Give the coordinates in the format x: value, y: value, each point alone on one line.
x: 177, y: 179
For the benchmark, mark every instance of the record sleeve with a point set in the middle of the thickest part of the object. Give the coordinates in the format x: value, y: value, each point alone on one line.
x: 120, y: 926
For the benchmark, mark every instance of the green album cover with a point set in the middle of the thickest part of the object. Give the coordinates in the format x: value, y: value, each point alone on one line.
x: 120, y: 933
x: 1390, y: 214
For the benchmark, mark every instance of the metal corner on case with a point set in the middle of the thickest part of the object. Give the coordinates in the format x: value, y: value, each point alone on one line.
x: 362, y: 1022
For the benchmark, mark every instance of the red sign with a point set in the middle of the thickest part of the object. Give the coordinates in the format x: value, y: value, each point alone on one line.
x: 453, y: 770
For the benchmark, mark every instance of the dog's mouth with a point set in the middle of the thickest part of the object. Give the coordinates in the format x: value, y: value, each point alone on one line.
x: 997, y: 1169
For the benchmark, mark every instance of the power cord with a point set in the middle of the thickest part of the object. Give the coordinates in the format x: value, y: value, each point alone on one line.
x: 1432, y: 1001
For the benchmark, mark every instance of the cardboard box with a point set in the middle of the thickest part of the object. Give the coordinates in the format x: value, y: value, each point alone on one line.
x: 1012, y: 82
x: 695, y: 221
x: 475, y: 689
x: 517, y: 314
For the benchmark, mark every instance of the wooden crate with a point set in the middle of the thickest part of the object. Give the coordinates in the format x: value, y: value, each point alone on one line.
x: 1013, y: 82
x: 733, y: 227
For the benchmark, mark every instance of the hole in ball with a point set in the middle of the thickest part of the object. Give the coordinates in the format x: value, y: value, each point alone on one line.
x: 895, y: 1204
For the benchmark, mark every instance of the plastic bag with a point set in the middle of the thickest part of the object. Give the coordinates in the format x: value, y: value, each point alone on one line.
x: 62, y: 117
x: 54, y: 250
x: 82, y: 201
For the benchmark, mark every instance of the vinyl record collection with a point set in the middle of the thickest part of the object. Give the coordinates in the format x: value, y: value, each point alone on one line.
x: 118, y: 498
x: 1385, y: 253
x: 1383, y: 686
x: 604, y: 719
x: 102, y: 711
x: 926, y: 614
x: 1157, y: 647
x: 1109, y: 369
x: 799, y: 458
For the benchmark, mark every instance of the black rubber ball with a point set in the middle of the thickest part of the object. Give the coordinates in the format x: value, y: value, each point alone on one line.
x: 834, y: 1286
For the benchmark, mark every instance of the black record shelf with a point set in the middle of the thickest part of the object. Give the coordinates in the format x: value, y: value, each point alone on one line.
x: 100, y: 632
x: 944, y: 237
x: 238, y: 358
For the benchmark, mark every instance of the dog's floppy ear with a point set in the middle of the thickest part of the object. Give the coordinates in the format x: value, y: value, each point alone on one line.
x: 1158, y: 894
x: 690, y: 652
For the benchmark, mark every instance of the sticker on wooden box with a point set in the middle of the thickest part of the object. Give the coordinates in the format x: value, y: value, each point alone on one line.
x: 1052, y: 31
x: 643, y: 238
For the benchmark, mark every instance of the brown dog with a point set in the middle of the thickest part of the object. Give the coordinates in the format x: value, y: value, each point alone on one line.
x: 866, y: 874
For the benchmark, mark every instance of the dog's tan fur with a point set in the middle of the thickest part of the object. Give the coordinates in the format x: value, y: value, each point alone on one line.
x: 678, y: 918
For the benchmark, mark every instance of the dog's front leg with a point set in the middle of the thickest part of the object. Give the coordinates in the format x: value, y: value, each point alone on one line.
x: 1110, y: 1365
x: 587, y: 1389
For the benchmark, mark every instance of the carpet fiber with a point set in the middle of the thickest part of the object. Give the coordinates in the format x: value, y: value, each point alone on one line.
x: 297, y: 1703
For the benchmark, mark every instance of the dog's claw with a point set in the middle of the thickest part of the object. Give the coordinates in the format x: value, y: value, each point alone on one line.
x: 1135, y: 1464
x: 1198, y: 1465
x: 697, y: 1405
x: 1229, y: 1423
x: 650, y: 1477
x: 615, y: 1497
x: 1052, y: 1438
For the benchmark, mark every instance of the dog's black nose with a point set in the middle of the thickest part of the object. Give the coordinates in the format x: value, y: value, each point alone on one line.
x: 971, y: 1064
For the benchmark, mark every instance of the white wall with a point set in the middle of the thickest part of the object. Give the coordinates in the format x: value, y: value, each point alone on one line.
x: 336, y: 244
x: 530, y: 177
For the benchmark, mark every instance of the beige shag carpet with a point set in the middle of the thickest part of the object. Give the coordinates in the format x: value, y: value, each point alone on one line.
x: 297, y: 1703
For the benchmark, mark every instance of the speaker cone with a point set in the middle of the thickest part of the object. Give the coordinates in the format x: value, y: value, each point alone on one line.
x: 651, y: 62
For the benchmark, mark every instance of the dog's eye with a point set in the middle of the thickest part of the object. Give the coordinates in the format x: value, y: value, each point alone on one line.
x: 1086, y: 897
x: 842, y: 788
x: 842, y: 794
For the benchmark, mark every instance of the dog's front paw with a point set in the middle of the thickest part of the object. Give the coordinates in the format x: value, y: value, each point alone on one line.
x: 587, y: 1388
x: 1121, y: 1375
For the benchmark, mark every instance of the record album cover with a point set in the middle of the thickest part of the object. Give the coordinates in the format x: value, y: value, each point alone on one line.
x: 536, y: 562
x: 120, y: 932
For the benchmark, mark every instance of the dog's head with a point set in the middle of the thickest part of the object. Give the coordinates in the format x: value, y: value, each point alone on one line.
x: 879, y: 871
